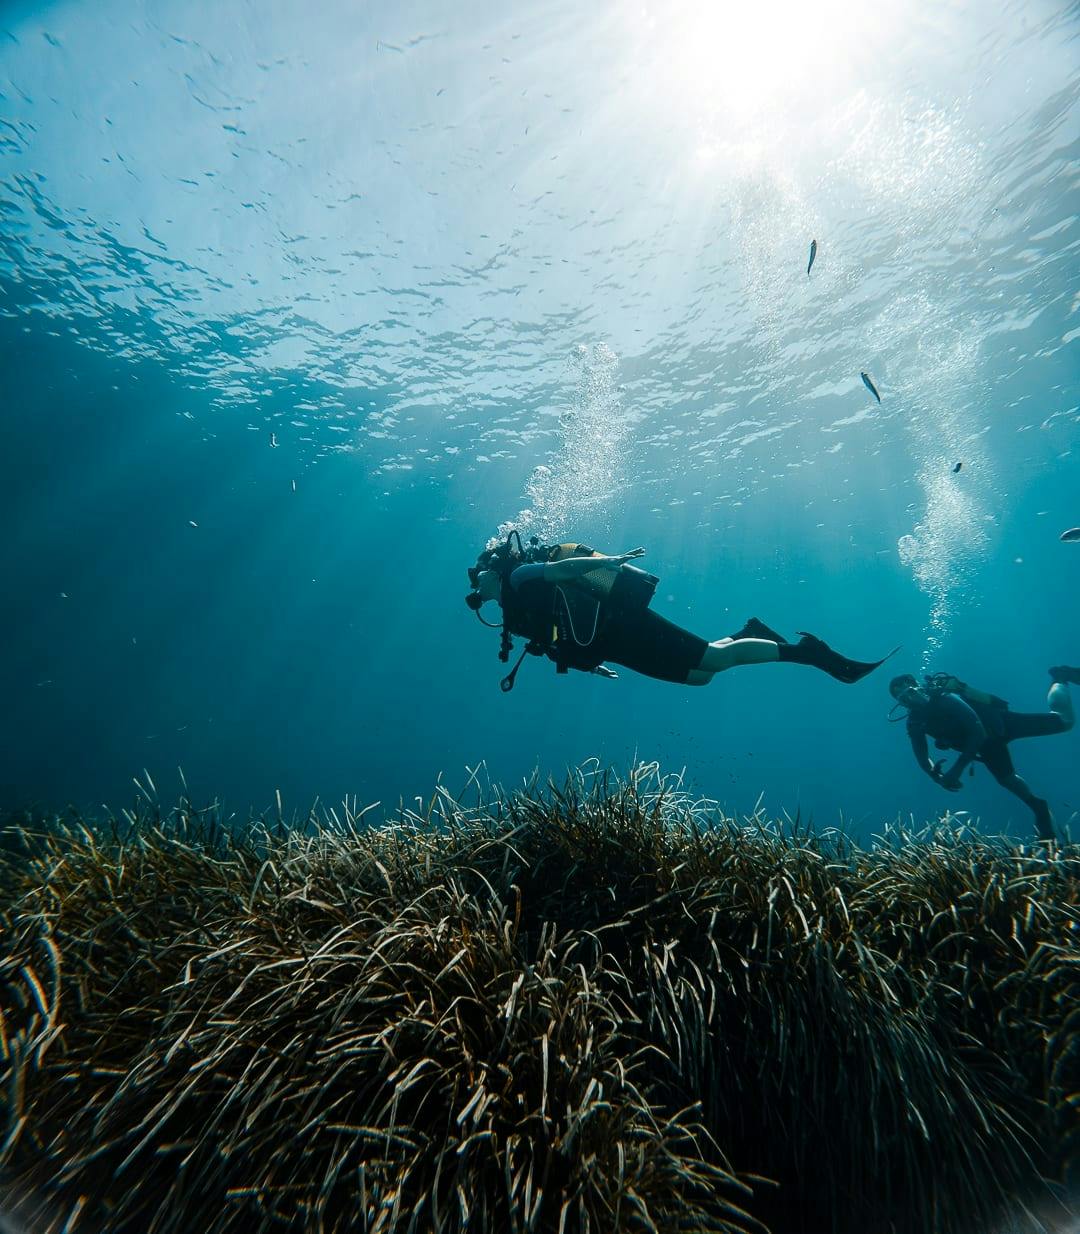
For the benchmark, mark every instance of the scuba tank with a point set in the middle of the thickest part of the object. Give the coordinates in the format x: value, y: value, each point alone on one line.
x: 946, y: 683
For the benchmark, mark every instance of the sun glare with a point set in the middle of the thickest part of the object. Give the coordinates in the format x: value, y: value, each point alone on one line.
x: 740, y: 60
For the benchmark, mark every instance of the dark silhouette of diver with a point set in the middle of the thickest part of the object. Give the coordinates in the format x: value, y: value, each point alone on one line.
x: 979, y: 727
x: 581, y: 608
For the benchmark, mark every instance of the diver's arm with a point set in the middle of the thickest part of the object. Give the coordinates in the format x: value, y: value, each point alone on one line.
x: 917, y: 737
x: 975, y: 736
x: 967, y: 755
x: 571, y: 567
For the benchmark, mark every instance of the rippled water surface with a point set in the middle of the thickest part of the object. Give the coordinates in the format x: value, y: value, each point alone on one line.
x: 299, y: 305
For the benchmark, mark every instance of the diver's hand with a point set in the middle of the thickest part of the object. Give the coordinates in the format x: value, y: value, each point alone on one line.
x: 629, y: 556
x: 950, y: 782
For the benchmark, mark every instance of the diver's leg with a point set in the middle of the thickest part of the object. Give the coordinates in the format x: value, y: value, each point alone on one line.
x: 995, y: 756
x: 754, y: 643
x: 1059, y: 700
x: 1044, y: 820
x: 728, y: 653
x: 1059, y: 719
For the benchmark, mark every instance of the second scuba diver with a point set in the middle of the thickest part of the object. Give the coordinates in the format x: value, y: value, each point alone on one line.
x: 979, y: 727
x: 581, y: 608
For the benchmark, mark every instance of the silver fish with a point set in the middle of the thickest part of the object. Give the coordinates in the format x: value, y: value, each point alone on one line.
x: 870, y: 385
x: 813, y: 254
x: 1070, y: 536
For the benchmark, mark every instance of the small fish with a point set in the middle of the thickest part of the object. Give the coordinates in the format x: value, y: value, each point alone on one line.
x: 294, y: 486
x: 870, y: 385
x: 273, y: 440
x: 813, y: 254
x: 1071, y: 536
x: 957, y: 468
x: 192, y: 522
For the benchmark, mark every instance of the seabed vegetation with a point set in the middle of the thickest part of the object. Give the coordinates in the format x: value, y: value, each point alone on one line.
x: 598, y: 1007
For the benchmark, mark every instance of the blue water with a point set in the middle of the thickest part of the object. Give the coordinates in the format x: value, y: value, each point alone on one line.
x: 298, y: 306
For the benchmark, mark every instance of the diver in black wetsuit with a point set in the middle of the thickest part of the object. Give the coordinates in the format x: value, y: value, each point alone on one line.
x: 581, y: 608
x: 979, y: 727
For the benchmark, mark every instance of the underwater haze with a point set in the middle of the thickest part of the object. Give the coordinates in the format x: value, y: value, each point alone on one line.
x: 299, y: 305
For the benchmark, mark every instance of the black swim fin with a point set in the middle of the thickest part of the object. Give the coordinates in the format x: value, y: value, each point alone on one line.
x: 818, y: 654
x: 1044, y: 820
x: 758, y: 629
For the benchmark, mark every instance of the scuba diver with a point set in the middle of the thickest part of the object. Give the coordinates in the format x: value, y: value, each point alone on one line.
x: 581, y: 608
x: 979, y: 727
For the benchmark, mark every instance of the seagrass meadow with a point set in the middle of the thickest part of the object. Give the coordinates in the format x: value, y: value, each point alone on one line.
x: 598, y: 1007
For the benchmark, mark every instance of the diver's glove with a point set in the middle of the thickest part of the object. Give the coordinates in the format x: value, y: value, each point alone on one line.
x: 949, y: 781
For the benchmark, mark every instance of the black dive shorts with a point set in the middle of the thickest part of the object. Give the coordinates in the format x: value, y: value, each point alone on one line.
x: 994, y: 754
x: 650, y: 644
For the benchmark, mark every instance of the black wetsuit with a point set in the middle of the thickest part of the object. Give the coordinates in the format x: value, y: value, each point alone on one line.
x: 981, y: 732
x: 953, y: 723
x: 578, y: 630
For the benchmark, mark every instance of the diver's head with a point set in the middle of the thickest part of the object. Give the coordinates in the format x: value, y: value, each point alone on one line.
x: 488, y: 585
x: 907, y: 691
x: 486, y: 577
